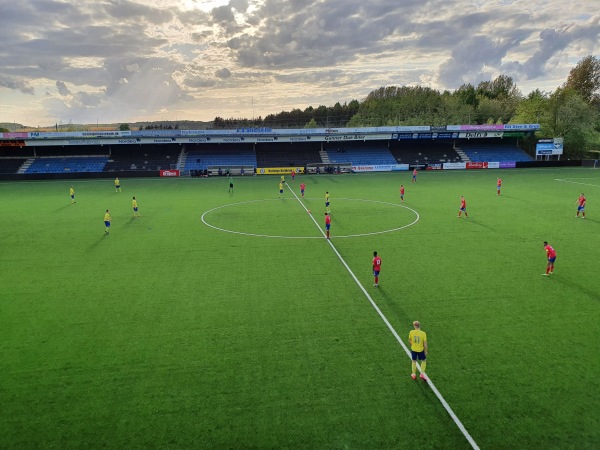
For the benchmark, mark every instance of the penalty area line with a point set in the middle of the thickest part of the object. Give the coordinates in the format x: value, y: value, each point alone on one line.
x: 444, y: 403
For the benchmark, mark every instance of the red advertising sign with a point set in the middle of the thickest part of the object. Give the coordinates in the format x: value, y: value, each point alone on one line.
x: 169, y: 173
x: 12, y: 143
x: 477, y: 165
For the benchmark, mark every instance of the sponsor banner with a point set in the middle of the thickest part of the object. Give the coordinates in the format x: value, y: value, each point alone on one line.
x: 14, y: 143
x: 485, y: 127
x: 358, y: 137
x: 508, y: 164
x: 192, y: 132
x: 254, y: 130
x: 93, y: 134
x: 157, y: 133
x: 412, y: 129
x: 445, y: 135
x: 522, y: 126
x: 481, y: 134
x: 14, y: 135
x: 455, y: 166
x: 437, y: 166
x: 477, y: 165
x: 493, y: 165
x: 169, y: 173
x: 438, y: 128
x: 514, y: 133
x: 380, y: 168
x: 404, y: 136
x: 278, y: 170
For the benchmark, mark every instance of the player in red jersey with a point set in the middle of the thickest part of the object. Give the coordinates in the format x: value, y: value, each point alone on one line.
x: 414, y: 180
x: 376, y: 268
x: 463, y: 207
x: 327, y: 223
x: 302, y: 187
x: 581, y: 206
x: 499, y: 185
x: 551, y: 254
x: 293, y: 174
x: 402, y: 192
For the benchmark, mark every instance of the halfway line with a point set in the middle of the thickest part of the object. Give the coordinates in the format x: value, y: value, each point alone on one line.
x: 445, y: 404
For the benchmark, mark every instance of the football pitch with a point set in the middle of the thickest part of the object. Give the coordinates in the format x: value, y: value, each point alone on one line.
x: 227, y: 320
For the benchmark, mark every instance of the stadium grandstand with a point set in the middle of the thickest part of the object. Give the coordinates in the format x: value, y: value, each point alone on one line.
x: 182, y: 152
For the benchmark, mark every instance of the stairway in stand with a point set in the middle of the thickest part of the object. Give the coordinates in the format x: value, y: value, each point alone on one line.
x: 181, y: 160
x: 463, y: 155
x: 26, y: 165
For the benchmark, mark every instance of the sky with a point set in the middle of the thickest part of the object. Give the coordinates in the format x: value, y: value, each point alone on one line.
x: 122, y: 61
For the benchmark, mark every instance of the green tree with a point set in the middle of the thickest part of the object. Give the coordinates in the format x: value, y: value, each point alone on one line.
x: 124, y: 127
x: 569, y: 116
x: 584, y: 79
x: 4, y: 130
x: 311, y: 124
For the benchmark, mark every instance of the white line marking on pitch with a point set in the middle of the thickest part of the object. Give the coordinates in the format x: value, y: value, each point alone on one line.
x: 576, y: 182
x: 393, y: 331
x: 202, y: 218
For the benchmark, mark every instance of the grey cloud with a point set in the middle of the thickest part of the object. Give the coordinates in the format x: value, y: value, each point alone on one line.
x: 222, y: 14
x: 128, y: 10
x: 62, y: 88
x: 555, y: 40
x: 12, y: 83
x: 223, y: 73
x: 86, y: 100
x: 199, y: 82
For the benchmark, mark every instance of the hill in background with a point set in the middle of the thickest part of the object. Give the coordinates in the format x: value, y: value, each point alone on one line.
x: 180, y: 124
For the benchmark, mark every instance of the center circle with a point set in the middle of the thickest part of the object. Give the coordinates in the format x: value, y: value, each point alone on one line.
x: 318, y: 220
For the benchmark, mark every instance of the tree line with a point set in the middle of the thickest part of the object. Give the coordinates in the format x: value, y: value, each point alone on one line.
x: 572, y: 111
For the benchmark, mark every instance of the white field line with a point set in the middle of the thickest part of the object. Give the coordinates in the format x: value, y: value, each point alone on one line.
x: 576, y: 182
x: 393, y: 331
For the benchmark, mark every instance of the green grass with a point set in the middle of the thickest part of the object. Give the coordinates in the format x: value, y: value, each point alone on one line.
x: 171, y: 333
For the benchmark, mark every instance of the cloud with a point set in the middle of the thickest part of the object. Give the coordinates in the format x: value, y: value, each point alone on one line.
x: 223, y: 73
x: 62, y: 88
x: 140, y: 56
x: 12, y: 83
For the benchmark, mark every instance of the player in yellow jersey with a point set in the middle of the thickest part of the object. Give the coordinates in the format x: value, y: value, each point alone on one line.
x: 134, y: 205
x: 418, y: 346
x: 117, y: 185
x: 107, y: 220
x: 327, y: 209
x: 72, y: 194
x: 281, y: 189
x: 282, y: 179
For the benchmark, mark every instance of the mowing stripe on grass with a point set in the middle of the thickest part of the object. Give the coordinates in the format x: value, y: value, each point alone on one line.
x: 445, y: 404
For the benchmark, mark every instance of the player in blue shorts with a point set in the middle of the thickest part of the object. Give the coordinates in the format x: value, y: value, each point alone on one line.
x: 107, y: 220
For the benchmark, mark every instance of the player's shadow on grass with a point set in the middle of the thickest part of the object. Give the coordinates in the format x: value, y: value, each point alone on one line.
x: 481, y: 224
x: 393, y: 304
x: 576, y: 286
x: 63, y: 207
x: 592, y: 220
x: 98, y: 241
x: 513, y: 198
